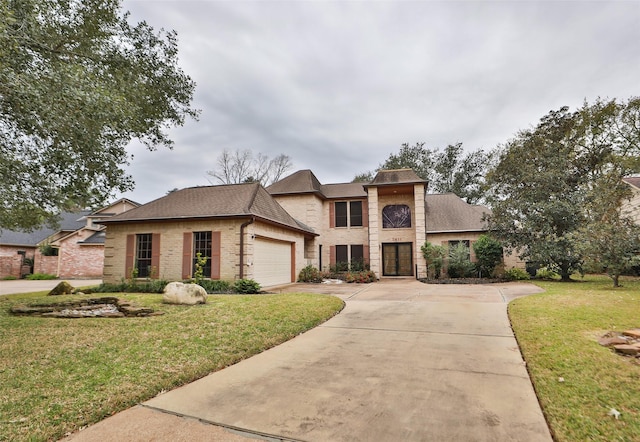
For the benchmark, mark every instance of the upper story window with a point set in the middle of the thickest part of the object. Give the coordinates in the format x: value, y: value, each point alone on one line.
x: 396, y: 216
x: 348, y: 214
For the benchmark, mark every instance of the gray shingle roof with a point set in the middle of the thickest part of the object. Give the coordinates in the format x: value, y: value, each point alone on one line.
x: 305, y: 182
x: 396, y: 176
x: 225, y: 201
x: 69, y: 222
x: 96, y: 238
x: 449, y: 213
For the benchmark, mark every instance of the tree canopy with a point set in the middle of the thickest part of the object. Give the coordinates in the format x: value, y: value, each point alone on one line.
x: 78, y: 82
x: 447, y: 170
x: 549, y: 181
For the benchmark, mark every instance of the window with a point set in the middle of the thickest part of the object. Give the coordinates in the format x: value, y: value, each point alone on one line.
x: 143, y: 254
x: 396, y: 216
x: 348, y: 214
x: 453, y: 244
x: 202, y: 245
x: 341, y: 214
x: 355, y: 208
x: 342, y: 258
x: 357, y: 263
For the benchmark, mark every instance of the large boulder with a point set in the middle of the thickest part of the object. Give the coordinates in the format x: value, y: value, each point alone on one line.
x: 187, y: 294
x: 64, y: 288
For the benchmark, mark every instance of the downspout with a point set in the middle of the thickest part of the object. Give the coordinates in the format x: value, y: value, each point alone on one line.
x: 242, y: 227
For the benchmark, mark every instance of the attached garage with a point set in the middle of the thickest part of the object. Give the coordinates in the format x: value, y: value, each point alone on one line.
x: 272, y: 261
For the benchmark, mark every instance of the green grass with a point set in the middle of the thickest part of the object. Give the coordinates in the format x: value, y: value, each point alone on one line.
x: 58, y: 375
x: 557, y: 332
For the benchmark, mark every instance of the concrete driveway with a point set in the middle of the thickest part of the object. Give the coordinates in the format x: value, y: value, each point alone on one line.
x: 403, y: 361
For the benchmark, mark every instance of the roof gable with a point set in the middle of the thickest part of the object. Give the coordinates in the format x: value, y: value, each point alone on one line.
x: 302, y: 181
x: 633, y: 180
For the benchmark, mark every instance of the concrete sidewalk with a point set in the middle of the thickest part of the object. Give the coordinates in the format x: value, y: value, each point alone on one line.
x: 11, y: 287
x: 403, y: 361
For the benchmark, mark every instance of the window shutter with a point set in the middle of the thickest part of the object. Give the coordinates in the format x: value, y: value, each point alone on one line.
x: 365, y: 213
x: 332, y: 255
x: 128, y: 261
x: 155, y: 255
x: 187, y: 239
x: 215, y: 255
x: 332, y: 214
x: 365, y: 253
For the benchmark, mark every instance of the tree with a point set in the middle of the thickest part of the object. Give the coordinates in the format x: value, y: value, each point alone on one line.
x: 488, y: 253
x: 449, y: 170
x: 434, y: 257
x: 241, y: 166
x: 77, y: 84
x: 547, y: 177
x: 459, y: 265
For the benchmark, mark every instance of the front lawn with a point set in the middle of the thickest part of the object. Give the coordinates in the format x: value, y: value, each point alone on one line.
x: 58, y: 375
x: 577, y: 380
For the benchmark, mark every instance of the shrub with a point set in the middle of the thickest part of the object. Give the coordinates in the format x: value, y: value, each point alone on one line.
x: 488, y: 254
x: 9, y: 278
x: 434, y: 257
x: 516, y: 274
x: 216, y: 286
x: 460, y: 266
x: 546, y: 273
x: 246, y: 286
x: 40, y: 276
x: 310, y: 274
x: 361, y: 277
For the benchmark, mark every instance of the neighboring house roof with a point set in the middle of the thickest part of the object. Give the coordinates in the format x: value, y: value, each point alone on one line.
x: 105, y: 211
x: 305, y: 182
x: 394, y: 177
x: 69, y: 222
x: 449, y: 213
x: 96, y: 238
x: 225, y: 201
x: 633, y: 180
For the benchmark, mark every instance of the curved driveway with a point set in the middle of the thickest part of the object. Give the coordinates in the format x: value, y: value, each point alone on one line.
x: 404, y: 361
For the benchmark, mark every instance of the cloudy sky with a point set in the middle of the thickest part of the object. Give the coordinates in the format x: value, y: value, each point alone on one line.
x: 339, y: 85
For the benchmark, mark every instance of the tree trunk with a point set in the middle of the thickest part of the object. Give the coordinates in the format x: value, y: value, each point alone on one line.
x: 565, y: 274
x: 615, y: 279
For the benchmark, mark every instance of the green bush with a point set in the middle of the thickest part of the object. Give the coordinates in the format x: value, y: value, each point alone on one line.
x: 434, y: 258
x: 9, y: 278
x: 216, y: 286
x: 488, y: 254
x: 310, y: 274
x: 40, y: 276
x: 516, y: 274
x: 546, y: 273
x: 246, y: 286
x: 460, y: 266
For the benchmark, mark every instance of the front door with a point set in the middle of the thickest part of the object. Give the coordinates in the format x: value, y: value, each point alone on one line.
x: 397, y: 259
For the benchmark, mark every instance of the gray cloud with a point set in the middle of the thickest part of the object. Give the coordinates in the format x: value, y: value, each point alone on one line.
x: 338, y: 86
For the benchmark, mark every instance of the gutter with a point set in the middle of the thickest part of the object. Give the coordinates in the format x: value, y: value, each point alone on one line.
x: 242, y: 227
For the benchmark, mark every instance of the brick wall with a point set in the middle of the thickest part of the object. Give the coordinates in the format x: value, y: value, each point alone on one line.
x: 10, y: 261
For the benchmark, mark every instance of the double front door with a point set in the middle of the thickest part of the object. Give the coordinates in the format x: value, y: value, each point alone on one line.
x: 397, y: 259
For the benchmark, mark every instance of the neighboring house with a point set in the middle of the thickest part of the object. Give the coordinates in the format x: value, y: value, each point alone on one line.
x: 269, y: 235
x: 75, y: 249
x: 632, y: 205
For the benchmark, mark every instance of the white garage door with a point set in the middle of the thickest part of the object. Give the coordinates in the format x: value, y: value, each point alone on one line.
x: 272, y: 262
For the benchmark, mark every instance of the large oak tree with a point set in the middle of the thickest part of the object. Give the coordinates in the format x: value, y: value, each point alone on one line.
x: 549, y: 184
x: 78, y: 82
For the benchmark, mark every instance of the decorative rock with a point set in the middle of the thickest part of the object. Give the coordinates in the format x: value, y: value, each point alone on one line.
x: 186, y: 294
x: 628, y: 349
x: 63, y: 288
x: 634, y: 333
x: 611, y: 341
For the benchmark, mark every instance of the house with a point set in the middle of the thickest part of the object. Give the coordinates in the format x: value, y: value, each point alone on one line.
x: 269, y: 235
x: 75, y: 249
x: 632, y: 205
